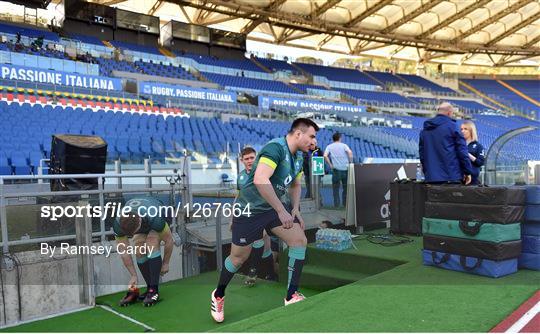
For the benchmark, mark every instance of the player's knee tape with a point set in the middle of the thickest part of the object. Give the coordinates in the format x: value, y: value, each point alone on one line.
x: 297, y: 253
x: 258, y: 243
x: 230, y: 266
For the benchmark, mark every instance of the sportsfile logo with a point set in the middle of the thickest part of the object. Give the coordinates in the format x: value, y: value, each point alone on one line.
x: 116, y: 210
x: 110, y: 209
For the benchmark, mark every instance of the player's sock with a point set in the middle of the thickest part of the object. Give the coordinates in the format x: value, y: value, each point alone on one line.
x: 257, y: 249
x: 142, y: 263
x: 297, y: 256
x: 154, y: 268
x: 227, y: 273
x: 268, y: 264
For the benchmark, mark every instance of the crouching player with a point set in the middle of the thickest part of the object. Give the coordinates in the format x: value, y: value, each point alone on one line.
x: 147, y: 234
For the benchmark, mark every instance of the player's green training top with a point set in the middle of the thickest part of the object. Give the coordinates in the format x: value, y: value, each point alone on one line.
x: 287, y: 167
x: 140, y: 205
x: 242, y: 179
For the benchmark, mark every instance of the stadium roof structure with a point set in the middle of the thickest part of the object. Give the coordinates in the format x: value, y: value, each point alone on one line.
x: 475, y: 32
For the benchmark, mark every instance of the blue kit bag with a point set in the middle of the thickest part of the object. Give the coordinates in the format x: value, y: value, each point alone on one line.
x: 470, y: 265
x: 530, y: 244
x: 529, y: 261
x: 532, y: 195
x: 530, y: 229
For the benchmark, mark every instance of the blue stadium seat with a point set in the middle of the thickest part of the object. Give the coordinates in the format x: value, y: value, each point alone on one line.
x: 19, y: 162
x: 5, y: 168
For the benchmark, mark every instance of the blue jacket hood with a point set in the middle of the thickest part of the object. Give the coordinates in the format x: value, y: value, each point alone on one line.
x: 437, y: 121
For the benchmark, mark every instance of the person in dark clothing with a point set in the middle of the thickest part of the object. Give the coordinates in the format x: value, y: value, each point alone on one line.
x: 443, y: 150
x: 476, y: 150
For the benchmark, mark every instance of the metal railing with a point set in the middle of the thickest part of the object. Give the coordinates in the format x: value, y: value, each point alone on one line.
x: 172, y: 183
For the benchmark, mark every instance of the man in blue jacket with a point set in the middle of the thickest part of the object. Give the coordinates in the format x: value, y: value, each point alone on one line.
x: 443, y: 150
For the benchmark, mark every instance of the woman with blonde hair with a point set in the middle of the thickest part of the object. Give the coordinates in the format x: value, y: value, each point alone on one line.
x: 476, y: 150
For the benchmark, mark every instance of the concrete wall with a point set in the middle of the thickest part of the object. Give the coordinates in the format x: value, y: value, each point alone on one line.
x: 50, y: 286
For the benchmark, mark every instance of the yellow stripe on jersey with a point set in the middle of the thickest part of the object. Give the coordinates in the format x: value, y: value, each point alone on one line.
x: 268, y: 162
x: 299, y: 175
x: 165, y: 230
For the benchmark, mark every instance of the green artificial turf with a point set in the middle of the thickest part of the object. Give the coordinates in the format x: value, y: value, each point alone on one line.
x: 387, y: 290
x: 406, y: 308
x: 92, y: 320
x: 406, y: 297
x: 185, y: 307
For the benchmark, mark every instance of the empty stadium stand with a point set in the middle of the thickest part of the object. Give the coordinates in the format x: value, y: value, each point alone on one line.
x: 338, y: 74
x: 425, y: 84
x: 239, y: 81
x: 277, y: 65
x: 138, y: 125
x: 497, y: 91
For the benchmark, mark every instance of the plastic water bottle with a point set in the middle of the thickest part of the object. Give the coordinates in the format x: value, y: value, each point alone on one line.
x: 419, y: 173
x: 318, y: 238
x: 335, y: 240
x: 324, y: 239
x: 348, y: 243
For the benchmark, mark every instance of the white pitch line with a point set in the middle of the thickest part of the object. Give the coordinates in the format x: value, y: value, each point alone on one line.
x: 107, y: 308
x: 524, y: 320
x: 24, y: 322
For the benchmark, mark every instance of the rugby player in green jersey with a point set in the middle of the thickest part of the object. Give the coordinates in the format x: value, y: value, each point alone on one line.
x: 272, y: 199
x: 261, y: 250
x: 147, y: 233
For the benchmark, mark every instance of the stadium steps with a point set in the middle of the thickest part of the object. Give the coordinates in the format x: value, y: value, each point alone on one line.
x: 304, y: 73
x: 166, y: 52
x: 407, y: 98
x: 405, y: 80
x: 293, y: 88
x: 261, y: 66
x: 108, y: 44
x: 199, y: 76
x: 485, y: 97
x: 471, y: 94
x: 326, y: 270
x: 375, y: 79
x: 348, y: 98
x: 518, y: 92
x: 324, y: 278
